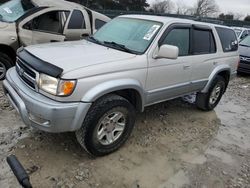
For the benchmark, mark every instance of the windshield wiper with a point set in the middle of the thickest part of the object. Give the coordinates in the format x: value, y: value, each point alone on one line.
x: 121, y: 46
x: 91, y: 38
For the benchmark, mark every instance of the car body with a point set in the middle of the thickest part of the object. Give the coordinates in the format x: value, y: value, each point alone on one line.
x: 130, y: 63
x: 241, y: 32
x: 24, y: 22
x: 244, y: 50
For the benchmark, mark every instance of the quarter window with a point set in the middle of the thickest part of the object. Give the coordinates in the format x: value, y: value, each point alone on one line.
x: 77, y: 20
x: 228, y: 39
x: 244, y: 34
x: 180, y: 38
x: 203, y: 42
x: 99, y: 24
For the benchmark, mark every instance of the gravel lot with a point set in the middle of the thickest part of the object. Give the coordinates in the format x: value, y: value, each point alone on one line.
x: 173, y: 145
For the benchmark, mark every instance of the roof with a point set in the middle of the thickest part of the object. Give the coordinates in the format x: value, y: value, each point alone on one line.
x: 166, y: 20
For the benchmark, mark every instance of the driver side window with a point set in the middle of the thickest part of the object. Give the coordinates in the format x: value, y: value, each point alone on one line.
x: 50, y: 22
x: 179, y: 37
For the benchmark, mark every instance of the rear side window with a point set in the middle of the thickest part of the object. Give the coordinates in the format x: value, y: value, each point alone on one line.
x: 203, y: 42
x: 76, y: 20
x: 228, y: 39
x: 180, y: 38
x: 99, y: 24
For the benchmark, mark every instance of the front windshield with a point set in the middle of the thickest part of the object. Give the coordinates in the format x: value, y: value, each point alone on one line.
x: 14, y: 9
x: 238, y: 32
x: 133, y: 34
x: 245, y: 41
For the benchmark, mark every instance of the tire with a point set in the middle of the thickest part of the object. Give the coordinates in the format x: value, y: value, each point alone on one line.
x: 99, y: 118
x: 5, y: 64
x: 208, y: 101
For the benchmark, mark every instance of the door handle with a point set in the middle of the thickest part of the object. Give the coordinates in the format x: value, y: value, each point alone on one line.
x: 186, y: 67
x: 85, y: 35
x: 55, y: 41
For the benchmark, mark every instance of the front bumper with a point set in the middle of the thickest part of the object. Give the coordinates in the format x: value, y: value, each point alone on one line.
x: 41, y: 112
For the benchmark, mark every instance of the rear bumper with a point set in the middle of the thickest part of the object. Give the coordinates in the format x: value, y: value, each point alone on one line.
x: 41, y: 112
x: 244, y: 68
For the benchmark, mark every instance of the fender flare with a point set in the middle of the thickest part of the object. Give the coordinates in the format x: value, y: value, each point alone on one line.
x: 212, y: 76
x: 114, y: 85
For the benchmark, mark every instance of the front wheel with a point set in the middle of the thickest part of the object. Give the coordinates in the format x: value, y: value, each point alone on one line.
x: 107, y: 125
x: 208, y: 101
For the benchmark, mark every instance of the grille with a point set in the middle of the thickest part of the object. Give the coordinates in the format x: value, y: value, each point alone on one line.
x: 245, y: 60
x: 26, y: 74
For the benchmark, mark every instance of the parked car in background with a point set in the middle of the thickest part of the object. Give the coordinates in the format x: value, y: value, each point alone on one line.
x: 244, y: 50
x: 241, y: 32
x: 132, y: 62
x: 26, y: 22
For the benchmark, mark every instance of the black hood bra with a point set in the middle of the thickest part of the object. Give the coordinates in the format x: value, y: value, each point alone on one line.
x: 38, y: 64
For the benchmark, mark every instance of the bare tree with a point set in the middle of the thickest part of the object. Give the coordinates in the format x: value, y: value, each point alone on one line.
x: 162, y: 6
x: 205, y: 8
x: 238, y: 16
x: 183, y: 9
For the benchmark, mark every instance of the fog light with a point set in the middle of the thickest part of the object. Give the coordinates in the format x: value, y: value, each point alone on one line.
x: 39, y: 120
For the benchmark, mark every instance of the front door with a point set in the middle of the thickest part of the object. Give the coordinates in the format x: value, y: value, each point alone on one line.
x: 169, y: 78
x: 43, y: 27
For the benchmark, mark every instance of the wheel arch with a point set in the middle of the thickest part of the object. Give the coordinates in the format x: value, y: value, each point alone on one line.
x: 127, y: 88
x: 224, y: 71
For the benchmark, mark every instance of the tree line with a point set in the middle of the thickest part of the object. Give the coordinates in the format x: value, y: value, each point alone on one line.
x: 129, y: 5
x: 202, y: 8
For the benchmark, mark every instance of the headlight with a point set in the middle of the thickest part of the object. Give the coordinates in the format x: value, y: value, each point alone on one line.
x: 56, y: 86
x: 48, y: 84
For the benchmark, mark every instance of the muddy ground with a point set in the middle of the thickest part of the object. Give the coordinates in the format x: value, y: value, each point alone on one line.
x: 173, y: 145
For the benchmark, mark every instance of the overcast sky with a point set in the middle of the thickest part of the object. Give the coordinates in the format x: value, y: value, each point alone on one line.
x: 236, y: 6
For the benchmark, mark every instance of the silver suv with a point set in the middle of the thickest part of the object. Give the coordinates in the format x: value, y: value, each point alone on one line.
x: 94, y: 87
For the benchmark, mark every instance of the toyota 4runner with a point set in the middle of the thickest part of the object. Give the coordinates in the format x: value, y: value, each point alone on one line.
x: 94, y: 87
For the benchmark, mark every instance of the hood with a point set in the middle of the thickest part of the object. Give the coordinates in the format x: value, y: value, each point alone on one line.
x: 244, y: 51
x: 75, y: 55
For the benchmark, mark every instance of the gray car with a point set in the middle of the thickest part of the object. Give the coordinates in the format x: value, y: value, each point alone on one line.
x: 244, y: 50
x: 94, y: 87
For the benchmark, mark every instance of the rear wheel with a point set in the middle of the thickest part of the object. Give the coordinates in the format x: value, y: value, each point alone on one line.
x: 107, y: 125
x: 5, y: 64
x: 208, y: 101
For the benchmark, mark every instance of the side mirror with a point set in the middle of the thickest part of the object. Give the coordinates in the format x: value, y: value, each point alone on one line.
x: 168, y: 51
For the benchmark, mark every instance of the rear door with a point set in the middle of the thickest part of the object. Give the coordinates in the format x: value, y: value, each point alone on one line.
x: 204, y: 55
x: 78, y: 25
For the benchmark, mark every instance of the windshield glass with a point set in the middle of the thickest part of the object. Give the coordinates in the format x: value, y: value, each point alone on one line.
x: 238, y: 32
x: 133, y: 34
x: 245, y: 41
x: 14, y: 9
